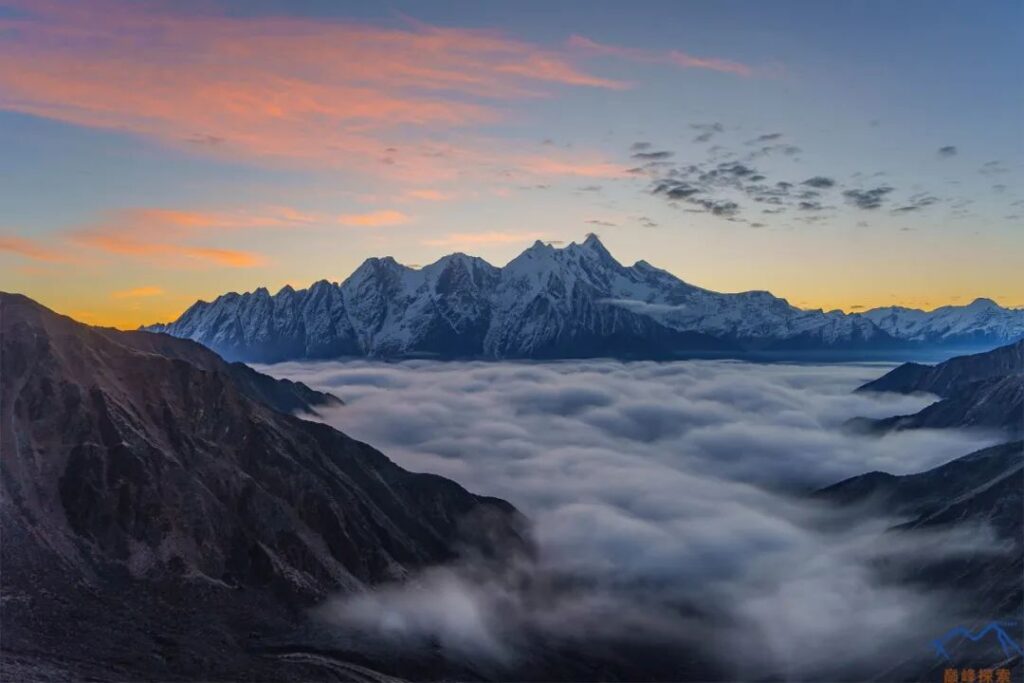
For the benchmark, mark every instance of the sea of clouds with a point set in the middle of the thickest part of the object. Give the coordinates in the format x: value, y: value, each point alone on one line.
x: 674, y: 494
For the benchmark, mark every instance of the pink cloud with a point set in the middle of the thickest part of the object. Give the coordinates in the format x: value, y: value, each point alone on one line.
x: 171, y: 238
x: 166, y: 253
x: 295, y: 90
x: 373, y: 219
x: 34, y: 250
x: 566, y: 166
x: 669, y: 57
x: 429, y: 195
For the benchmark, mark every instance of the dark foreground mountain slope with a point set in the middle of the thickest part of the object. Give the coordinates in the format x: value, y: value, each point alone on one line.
x: 983, y: 488
x: 160, y: 516
x: 981, y: 494
x: 282, y: 395
x: 939, y: 494
x: 945, y: 378
x: 984, y: 390
x: 989, y: 404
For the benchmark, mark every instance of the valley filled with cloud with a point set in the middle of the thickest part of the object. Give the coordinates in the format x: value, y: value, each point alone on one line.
x: 671, y: 504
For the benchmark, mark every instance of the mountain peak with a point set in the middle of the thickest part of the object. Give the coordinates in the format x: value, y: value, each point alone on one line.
x: 549, y: 301
x: 457, y: 257
x: 593, y: 243
x: 379, y: 263
x: 459, y: 262
x: 538, y: 251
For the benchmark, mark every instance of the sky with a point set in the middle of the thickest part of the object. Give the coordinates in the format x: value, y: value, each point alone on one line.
x: 841, y: 155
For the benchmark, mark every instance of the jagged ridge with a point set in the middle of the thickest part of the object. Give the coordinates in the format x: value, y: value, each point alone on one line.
x: 577, y: 301
x: 159, y: 511
x: 979, y: 390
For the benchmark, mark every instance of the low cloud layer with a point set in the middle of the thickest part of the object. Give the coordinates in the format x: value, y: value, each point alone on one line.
x: 668, y: 490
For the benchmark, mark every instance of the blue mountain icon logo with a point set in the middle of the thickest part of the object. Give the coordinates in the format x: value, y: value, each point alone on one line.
x: 1008, y: 644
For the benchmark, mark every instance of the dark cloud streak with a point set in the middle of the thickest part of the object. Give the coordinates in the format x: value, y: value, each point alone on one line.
x: 868, y: 199
x: 820, y: 182
x: 653, y: 156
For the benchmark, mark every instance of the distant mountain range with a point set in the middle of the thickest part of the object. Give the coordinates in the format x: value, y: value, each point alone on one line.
x: 577, y: 301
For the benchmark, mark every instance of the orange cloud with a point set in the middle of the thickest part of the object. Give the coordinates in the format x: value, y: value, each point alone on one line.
x: 670, y: 57
x: 32, y: 249
x: 164, y: 236
x: 167, y: 237
x: 175, y: 219
x: 556, y: 70
x: 224, y: 257
x: 374, y: 219
x: 453, y: 239
x: 304, y: 91
x: 572, y: 167
x: 166, y: 253
x: 137, y: 292
x: 429, y: 195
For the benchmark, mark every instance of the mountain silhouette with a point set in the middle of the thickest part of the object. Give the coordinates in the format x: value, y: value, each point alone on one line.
x: 548, y: 302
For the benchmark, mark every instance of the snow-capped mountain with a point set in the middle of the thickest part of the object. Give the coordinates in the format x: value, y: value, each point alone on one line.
x: 982, y: 319
x: 577, y: 301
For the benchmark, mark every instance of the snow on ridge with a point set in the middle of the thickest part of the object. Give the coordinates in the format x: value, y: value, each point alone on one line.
x: 548, y: 302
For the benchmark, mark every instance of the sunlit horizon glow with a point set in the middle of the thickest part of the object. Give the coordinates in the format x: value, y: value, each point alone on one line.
x: 159, y: 153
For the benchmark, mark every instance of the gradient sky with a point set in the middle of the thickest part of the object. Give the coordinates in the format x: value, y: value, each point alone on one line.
x: 157, y: 153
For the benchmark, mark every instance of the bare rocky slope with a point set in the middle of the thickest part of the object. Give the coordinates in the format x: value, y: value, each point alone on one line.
x: 161, y: 514
x: 982, y: 493
x: 945, y: 378
x: 983, y: 390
